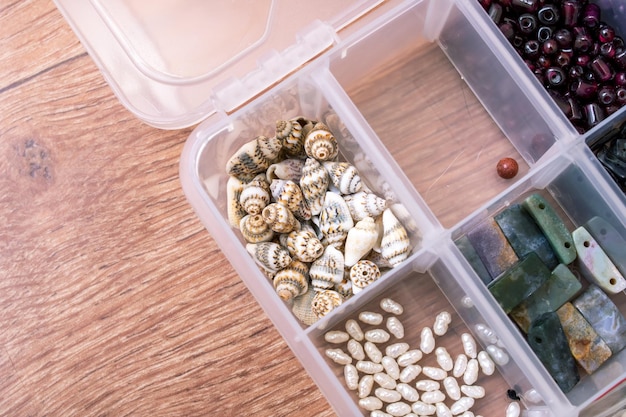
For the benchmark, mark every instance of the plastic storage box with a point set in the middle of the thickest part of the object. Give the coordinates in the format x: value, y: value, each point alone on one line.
x: 424, y: 97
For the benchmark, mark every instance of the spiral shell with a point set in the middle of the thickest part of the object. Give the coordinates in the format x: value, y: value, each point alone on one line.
x: 327, y: 270
x: 287, y: 169
x: 314, y: 183
x: 287, y: 192
x: 253, y: 157
x: 304, y: 245
x: 292, y: 281
x: 255, y: 195
x: 254, y: 229
x: 269, y: 255
x: 290, y: 133
x: 335, y: 220
x: 344, y: 176
x: 325, y: 301
x: 344, y: 288
x: 280, y: 218
x: 362, y: 274
x: 302, y: 308
x: 320, y: 143
x: 363, y: 204
x: 395, y: 244
x: 361, y: 239
x: 235, y: 211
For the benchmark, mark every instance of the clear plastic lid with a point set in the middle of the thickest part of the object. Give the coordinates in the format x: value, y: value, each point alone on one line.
x: 175, y: 62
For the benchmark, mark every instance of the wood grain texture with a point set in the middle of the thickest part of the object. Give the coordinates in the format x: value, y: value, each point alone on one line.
x: 114, y: 300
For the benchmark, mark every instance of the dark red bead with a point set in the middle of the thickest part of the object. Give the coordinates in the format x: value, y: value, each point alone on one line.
x: 601, y: 69
x: 620, y: 79
x: 550, y: 47
x: 485, y: 3
x: 543, y: 62
x: 583, y: 60
x: 548, y: 15
x: 570, y: 11
x: 618, y: 43
x: 527, y: 23
x: 544, y: 33
x: 606, y: 33
x: 525, y: 5
x: 507, y: 168
x: 495, y: 13
x: 607, y: 50
x: 620, y: 95
x: 576, y: 71
x: 555, y: 77
x: 563, y: 37
x: 531, y: 49
x: 620, y: 58
x: 564, y: 57
x: 583, y: 43
x: 508, y: 30
x: 606, y: 95
x: 594, y: 114
x: 583, y: 89
x: 591, y: 15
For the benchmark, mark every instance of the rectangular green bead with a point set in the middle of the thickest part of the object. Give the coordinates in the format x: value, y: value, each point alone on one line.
x: 556, y: 291
x: 492, y: 247
x: 610, y: 240
x: 519, y: 282
x: 595, y: 263
x: 552, y: 227
x: 468, y: 251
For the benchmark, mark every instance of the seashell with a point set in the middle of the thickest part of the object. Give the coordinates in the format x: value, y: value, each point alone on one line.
x: 365, y: 386
x: 280, y: 218
x: 288, y: 192
x: 396, y: 349
x: 320, y: 143
x: 325, y: 301
x: 422, y: 409
x: 362, y: 274
x: 384, y: 380
x: 255, y: 195
x: 287, y: 169
x: 363, y: 204
x: 336, y: 336
x: 370, y: 403
x: 344, y: 288
x: 235, y: 211
x: 292, y: 281
x: 304, y: 245
x: 395, y: 244
x: 351, y: 375
x: 338, y: 356
x: 360, y: 240
x: 344, y: 176
x: 269, y: 255
x: 391, y: 367
x: 314, y: 184
x: 356, y: 350
x: 253, y: 157
x: 327, y: 270
x: 302, y: 308
x: 387, y: 395
x: 391, y: 306
x: 407, y: 392
x: 254, y: 229
x: 409, y: 373
x: 290, y: 133
x: 378, y: 259
x: 354, y: 330
x: 335, y: 220
x: 372, y: 352
x: 452, y: 388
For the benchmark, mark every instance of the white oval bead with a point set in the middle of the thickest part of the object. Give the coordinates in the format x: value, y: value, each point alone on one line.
x: 365, y: 386
x: 398, y: 409
x: 471, y: 372
x: 427, y: 340
x: 387, y: 395
x: 462, y: 405
x: 391, y: 367
x: 469, y: 345
x: 513, y: 410
x: 336, y: 336
x: 339, y: 356
x: 369, y: 367
x: 354, y: 330
x: 423, y: 409
x: 432, y: 397
x: 373, y: 352
x: 379, y: 413
x: 356, y: 350
x: 410, y: 357
x: 432, y: 372
x: 351, y: 375
x: 369, y: 317
x: 395, y: 327
x: 459, y: 365
x: 486, y: 334
x: 408, y: 392
x: 377, y: 336
x: 533, y: 396
x: 391, y: 306
x: 467, y: 414
x: 443, y: 410
x: 474, y: 391
x: 486, y: 364
x: 396, y: 349
x: 498, y: 355
x: 384, y: 380
x: 427, y: 385
x: 442, y: 321
x: 409, y: 373
x: 452, y: 388
x: 443, y: 359
x: 370, y: 403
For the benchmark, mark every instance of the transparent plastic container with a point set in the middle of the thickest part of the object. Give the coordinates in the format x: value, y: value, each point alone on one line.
x: 424, y: 98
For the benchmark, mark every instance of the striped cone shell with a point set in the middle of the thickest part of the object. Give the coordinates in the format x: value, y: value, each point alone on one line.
x: 254, y: 229
x: 302, y: 308
x: 361, y: 239
x: 325, y: 301
x: 362, y: 274
x: 363, y: 204
x: 253, y: 157
x: 288, y: 192
x: 344, y: 176
x: 287, y: 169
x: 395, y: 244
x: 269, y: 255
x: 344, y: 288
x: 304, y: 245
x: 314, y: 183
x: 290, y: 133
x: 335, y: 220
x: 280, y: 218
x: 255, y: 195
x: 327, y: 270
x: 234, y: 209
x: 320, y: 143
x: 292, y: 281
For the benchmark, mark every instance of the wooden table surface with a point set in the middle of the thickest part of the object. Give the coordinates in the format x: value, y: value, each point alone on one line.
x: 114, y: 299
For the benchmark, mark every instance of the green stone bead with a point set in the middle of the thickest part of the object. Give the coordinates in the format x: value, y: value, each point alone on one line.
x: 547, y: 339
x: 589, y: 350
x: 610, y: 240
x: 519, y: 282
x: 556, y: 291
x: 595, y: 264
x: 552, y: 227
x: 468, y: 251
x: 492, y: 247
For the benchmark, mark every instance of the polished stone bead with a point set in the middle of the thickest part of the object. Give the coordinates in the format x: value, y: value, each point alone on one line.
x: 547, y: 339
x: 615, y: 167
x: 518, y: 282
x: 604, y: 316
x: 492, y: 247
x: 524, y: 235
x: 556, y: 291
x: 613, y: 243
x: 468, y: 251
x: 595, y: 263
x: 552, y: 227
x: 589, y: 350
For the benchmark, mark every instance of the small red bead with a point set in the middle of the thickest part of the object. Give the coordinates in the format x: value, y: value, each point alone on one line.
x: 507, y: 168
